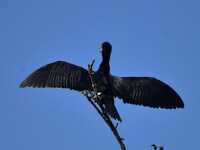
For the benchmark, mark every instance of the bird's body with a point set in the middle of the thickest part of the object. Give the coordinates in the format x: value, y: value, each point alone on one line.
x: 146, y: 91
x: 104, y: 91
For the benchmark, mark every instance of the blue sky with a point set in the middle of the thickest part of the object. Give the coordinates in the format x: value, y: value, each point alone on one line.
x: 149, y: 38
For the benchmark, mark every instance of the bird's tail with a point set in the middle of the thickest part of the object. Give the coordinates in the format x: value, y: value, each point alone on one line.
x: 111, y: 109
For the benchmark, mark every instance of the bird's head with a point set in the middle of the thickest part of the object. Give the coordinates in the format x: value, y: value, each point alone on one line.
x: 105, y: 48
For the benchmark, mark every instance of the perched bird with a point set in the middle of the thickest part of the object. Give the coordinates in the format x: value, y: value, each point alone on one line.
x: 146, y: 91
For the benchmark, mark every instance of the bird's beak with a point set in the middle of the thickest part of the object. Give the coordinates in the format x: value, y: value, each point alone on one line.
x: 100, y: 49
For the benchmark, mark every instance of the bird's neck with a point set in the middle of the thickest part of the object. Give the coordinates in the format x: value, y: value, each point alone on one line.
x: 104, y: 66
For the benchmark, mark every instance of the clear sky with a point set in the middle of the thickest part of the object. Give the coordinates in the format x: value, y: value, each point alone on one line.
x: 150, y: 38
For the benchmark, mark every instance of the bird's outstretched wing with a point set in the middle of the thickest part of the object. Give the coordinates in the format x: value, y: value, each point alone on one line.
x: 59, y: 75
x: 146, y: 91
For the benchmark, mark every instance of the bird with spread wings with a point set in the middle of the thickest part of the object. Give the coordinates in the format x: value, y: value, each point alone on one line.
x: 146, y: 91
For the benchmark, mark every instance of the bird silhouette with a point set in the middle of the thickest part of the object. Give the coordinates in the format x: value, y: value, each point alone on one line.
x: 146, y: 91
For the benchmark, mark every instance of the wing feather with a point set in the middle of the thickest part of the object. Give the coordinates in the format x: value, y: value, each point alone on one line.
x: 146, y: 91
x: 59, y: 74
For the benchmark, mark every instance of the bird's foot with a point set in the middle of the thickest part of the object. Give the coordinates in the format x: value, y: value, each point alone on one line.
x: 96, y: 97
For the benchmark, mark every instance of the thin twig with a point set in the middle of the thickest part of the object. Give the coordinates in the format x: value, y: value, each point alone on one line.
x: 102, y: 112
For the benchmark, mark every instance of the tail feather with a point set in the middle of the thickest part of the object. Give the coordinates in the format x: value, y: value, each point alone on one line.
x: 111, y: 109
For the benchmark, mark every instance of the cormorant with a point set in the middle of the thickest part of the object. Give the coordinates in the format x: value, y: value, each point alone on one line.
x: 146, y: 91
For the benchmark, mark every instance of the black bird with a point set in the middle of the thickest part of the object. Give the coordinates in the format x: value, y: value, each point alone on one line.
x: 146, y: 91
